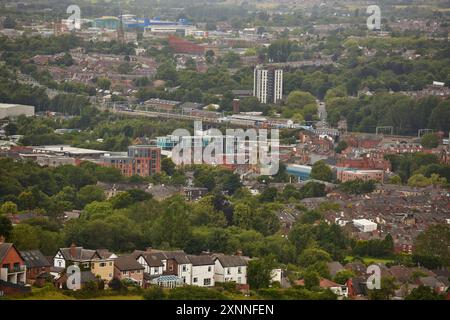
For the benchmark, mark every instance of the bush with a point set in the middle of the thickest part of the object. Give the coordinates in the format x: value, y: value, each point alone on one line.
x: 195, y: 293
x: 154, y: 293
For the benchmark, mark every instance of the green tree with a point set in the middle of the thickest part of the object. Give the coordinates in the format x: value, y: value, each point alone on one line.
x: 321, y: 171
x: 259, y: 272
x: 419, y: 180
x: 429, y: 140
x: 395, y: 180
x: 9, y: 207
x: 88, y: 194
x: 299, y: 99
x: 311, y: 256
x: 342, y: 145
x: 424, y: 293
x: 434, y: 243
x: 25, y: 237
x: 386, y: 291
x: 343, y: 276
x: 168, y: 166
x: 5, y: 227
x: 103, y: 83
x: 311, y: 279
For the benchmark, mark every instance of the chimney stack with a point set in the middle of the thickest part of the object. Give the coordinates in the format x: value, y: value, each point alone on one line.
x: 239, y: 252
x: 73, y: 250
x: 2, y: 239
x: 148, y: 249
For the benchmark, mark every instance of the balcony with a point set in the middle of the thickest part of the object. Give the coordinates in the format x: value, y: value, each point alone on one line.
x: 17, y: 269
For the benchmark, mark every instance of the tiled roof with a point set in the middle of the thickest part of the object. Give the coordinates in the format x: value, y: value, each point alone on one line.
x: 230, y: 261
x: 202, y: 260
x: 34, y: 259
x: 126, y: 263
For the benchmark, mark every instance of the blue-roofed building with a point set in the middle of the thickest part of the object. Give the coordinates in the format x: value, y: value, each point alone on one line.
x: 300, y: 171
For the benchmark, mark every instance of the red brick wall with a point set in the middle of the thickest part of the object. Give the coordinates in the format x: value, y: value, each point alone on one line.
x: 12, y: 257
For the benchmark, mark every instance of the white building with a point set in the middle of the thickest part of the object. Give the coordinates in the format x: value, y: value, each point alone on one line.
x: 268, y: 84
x: 365, y: 225
x: 152, y: 263
x: 15, y: 110
x: 202, y: 270
x: 230, y: 268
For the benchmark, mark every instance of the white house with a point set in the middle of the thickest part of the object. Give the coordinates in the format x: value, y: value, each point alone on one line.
x: 178, y: 264
x: 152, y: 262
x: 202, y: 270
x: 230, y: 268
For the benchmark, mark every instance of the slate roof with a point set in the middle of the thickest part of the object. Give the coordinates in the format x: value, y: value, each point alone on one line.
x: 154, y: 259
x: 126, y: 263
x: 203, y: 260
x: 34, y: 259
x: 230, y: 261
x: 179, y: 256
x: 334, y: 267
x: 80, y: 254
x: 356, y: 267
x: 104, y: 253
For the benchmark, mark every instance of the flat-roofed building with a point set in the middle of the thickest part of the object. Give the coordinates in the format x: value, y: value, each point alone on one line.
x: 8, y: 110
x: 365, y: 225
x: 141, y: 160
x: 364, y: 175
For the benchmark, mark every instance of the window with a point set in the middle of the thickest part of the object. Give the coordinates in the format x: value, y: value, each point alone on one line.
x: 102, y: 264
x: 195, y: 280
x: 184, y: 279
x: 209, y: 269
x: 229, y: 271
x: 110, y: 264
x: 184, y: 268
x: 239, y: 280
x: 207, y: 282
x: 239, y: 270
x: 155, y: 270
x: 59, y: 263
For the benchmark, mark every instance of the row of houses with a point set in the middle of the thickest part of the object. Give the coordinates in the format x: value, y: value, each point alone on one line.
x: 169, y: 269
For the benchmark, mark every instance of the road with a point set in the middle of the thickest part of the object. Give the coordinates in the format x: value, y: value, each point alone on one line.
x: 322, y: 112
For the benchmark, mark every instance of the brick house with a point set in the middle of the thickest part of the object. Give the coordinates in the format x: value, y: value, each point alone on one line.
x: 127, y: 268
x: 12, y: 270
x: 37, y: 265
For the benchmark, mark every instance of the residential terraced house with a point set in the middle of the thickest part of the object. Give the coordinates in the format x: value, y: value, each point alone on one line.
x: 230, y: 268
x: 183, y: 268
